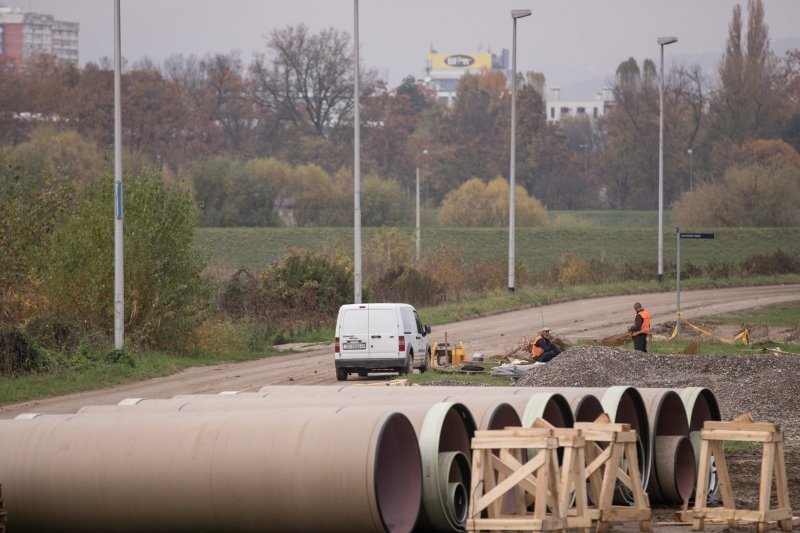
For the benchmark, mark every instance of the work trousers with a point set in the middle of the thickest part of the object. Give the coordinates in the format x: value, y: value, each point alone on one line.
x: 640, y: 343
x: 548, y: 354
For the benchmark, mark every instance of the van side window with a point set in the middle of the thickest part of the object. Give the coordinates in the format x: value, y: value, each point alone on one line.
x: 419, y: 323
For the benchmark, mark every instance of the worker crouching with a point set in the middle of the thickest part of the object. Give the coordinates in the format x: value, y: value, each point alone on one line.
x: 543, y: 349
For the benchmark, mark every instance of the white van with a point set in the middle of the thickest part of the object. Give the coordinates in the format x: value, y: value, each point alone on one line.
x: 379, y: 338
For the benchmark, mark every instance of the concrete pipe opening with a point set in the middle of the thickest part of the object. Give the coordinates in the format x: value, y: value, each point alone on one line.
x: 398, y: 492
x: 550, y: 406
x: 453, y: 484
x: 701, y: 405
x: 676, y: 468
x: 667, y: 417
x: 585, y: 405
x: 447, y: 427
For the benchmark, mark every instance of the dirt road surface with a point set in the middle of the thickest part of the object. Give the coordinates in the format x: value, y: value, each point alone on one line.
x: 497, y: 334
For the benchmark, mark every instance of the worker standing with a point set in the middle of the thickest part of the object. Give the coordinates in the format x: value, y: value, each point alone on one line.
x: 543, y: 349
x: 640, y: 328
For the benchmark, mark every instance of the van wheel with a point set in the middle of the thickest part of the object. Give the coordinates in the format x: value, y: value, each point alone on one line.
x: 341, y: 374
x: 409, y: 368
x: 424, y: 367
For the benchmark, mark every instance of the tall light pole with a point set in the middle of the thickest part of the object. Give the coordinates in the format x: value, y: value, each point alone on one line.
x: 119, y: 264
x: 416, y: 255
x: 689, y: 151
x: 356, y: 167
x: 515, y: 14
x: 662, y: 42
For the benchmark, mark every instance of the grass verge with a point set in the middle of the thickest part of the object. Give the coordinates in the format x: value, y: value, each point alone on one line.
x: 96, y: 374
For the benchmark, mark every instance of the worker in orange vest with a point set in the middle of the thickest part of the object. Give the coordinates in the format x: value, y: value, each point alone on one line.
x: 543, y: 349
x: 640, y: 328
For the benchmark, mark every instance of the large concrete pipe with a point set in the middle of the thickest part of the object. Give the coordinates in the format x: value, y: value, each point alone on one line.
x: 441, y: 427
x: 675, y: 468
x: 701, y: 405
x: 585, y: 406
x: 487, y: 412
x: 550, y: 406
x: 667, y: 418
x: 289, y: 469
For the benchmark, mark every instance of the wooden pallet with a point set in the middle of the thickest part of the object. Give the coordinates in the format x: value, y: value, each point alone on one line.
x: 743, y: 428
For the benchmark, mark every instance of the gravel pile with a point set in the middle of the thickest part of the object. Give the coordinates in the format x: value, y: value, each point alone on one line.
x: 767, y: 386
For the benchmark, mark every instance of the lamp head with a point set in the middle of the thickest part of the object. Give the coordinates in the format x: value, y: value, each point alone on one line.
x: 689, y: 151
x: 667, y: 40
x: 425, y: 152
x: 519, y: 13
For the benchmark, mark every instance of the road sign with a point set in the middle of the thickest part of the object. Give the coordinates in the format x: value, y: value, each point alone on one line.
x: 696, y: 235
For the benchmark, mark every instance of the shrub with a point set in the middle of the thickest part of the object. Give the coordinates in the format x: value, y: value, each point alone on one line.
x: 409, y: 285
x: 17, y: 352
x: 165, y: 298
x: 778, y: 262
x: 53, y: 333
x: 302, y: 292
x: 755, y: 196
x: 476, y: 204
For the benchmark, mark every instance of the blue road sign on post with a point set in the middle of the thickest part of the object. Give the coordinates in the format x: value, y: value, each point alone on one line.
x: 696, y: 235
x: 680, y: 236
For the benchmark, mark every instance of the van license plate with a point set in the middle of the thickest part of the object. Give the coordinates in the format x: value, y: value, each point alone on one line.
x: 354, y: 346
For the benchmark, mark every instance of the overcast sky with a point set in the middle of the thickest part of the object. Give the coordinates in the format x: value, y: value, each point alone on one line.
x: 576, y: 43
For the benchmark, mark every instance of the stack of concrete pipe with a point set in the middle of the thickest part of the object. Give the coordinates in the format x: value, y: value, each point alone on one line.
x: 297, y: 458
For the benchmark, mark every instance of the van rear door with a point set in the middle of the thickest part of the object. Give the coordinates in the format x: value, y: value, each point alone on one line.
x: 354, y: 333
x: 383, y: 331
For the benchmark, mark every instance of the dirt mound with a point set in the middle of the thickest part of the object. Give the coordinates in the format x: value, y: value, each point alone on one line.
x: 764, y: 385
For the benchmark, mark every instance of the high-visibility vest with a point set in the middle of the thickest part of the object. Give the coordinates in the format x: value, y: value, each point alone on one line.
x: 535, y: 350
x: 645, y: 324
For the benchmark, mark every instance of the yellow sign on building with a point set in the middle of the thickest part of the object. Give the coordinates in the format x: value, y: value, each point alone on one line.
x: 459, y: 61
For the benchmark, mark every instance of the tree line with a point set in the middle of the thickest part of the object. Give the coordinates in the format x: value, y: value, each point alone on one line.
x: 293, y: 104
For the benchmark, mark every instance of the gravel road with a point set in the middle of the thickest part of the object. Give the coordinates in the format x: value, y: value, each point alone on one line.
x: 496, y: 334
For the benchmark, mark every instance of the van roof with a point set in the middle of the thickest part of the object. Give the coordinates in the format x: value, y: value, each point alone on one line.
x: 374, y: 306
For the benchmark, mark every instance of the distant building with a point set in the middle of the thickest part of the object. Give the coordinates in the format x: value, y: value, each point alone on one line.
x: 24, y: 35
x: 558, y: 109
x: 444, y: 70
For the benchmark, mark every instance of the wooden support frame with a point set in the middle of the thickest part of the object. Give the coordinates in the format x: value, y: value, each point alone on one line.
x: 504, y: 484
x: 743, y: 428
x: 604, y: 471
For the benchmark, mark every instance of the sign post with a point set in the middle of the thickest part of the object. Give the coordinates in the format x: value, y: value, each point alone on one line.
x: 678, y: 237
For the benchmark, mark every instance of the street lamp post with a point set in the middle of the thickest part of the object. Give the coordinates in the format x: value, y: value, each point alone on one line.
x: 689, y: 151
x: 662, y: 42
x: 356, y: 166
x: 119, y: 261
x: 515, y: 14
x: 416, y: 256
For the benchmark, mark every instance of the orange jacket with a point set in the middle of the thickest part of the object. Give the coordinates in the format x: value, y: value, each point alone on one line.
x: 645, y: 329
x: 535, y: 350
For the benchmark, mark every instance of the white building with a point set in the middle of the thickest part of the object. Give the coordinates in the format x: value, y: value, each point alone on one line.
x: 24, y: 35
x: 558, y: 109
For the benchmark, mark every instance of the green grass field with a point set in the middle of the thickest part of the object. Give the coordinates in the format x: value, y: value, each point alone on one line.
x: 230, y: 249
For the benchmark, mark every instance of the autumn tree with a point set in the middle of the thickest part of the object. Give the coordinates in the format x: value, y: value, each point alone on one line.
x: 748, y: 102
x: 473, y: 134
x: 759, y: 189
